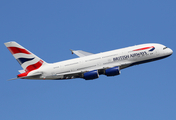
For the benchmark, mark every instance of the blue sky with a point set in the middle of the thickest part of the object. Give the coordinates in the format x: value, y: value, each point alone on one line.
x: 50, y: 28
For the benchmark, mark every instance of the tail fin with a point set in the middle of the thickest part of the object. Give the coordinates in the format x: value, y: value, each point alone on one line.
x: 26, y: 59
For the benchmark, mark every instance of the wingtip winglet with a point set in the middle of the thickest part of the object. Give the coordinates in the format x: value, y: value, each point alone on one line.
x: 71, y: 51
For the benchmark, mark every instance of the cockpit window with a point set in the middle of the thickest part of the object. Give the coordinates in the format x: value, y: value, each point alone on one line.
x: 164, y: 48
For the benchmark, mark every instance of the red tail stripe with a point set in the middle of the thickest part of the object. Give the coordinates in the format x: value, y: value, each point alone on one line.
x: 143, y: 48
x: 23, y: 74
x: 34, y: 66
x: 15, y: 50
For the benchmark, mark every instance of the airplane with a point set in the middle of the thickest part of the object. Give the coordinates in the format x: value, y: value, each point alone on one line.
x: 88, y: 65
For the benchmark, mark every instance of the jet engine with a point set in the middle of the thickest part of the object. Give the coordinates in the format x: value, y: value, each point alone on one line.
x: 91, y: 75
x: 112, y: 71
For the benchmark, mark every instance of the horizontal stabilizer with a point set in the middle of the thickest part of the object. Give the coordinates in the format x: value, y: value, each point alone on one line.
x: 29, y: 76
x: 21, y: 71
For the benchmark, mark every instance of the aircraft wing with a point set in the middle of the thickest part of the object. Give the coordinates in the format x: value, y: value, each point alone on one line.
x: 80, y: 53
x: 80, y: 73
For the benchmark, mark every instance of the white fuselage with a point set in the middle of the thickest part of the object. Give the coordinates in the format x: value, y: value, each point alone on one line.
x: 123, y: 58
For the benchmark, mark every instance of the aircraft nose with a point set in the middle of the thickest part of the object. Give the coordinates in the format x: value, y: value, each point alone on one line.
x: 170, y: 51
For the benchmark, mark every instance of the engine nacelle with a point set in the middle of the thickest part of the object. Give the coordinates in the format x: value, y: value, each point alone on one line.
x: 112, y: 71
x: 91, y: 75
